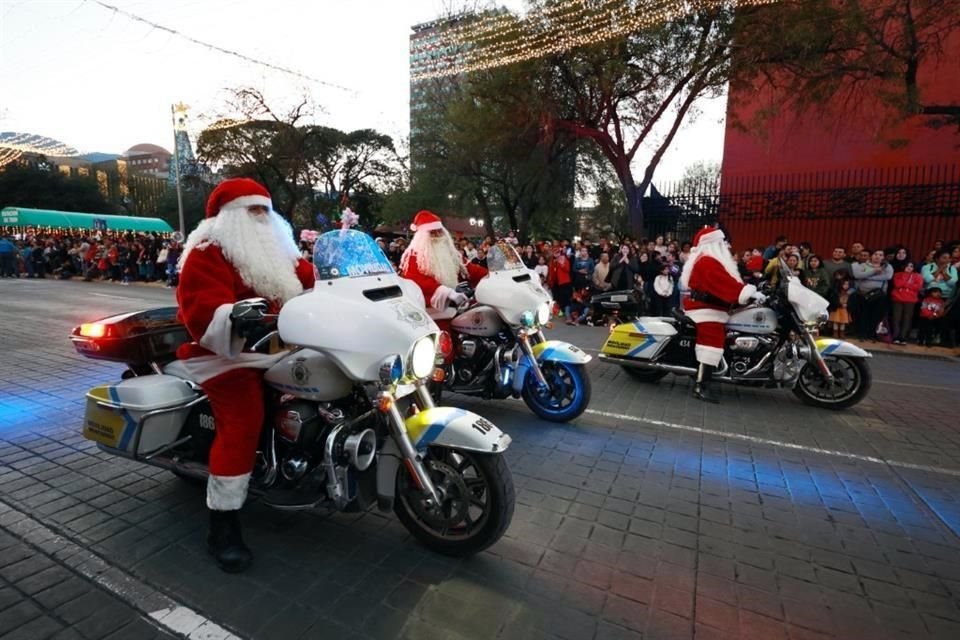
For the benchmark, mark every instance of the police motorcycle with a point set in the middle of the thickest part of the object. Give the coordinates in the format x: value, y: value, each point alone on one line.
x: 774, y: 345
x: 497, y: 348
x: 350, y: 420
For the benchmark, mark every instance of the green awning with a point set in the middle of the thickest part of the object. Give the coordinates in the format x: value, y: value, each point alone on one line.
x: 18, y: 217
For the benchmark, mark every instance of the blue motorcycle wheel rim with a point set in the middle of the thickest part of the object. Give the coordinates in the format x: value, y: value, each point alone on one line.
x: 566, y: 390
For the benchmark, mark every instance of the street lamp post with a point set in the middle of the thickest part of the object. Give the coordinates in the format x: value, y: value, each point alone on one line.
x: 174, y: 109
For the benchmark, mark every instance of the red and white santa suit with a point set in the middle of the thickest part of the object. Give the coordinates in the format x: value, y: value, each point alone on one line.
x: 433, y: 262
x: 231, y: 256
x: 711, y: 270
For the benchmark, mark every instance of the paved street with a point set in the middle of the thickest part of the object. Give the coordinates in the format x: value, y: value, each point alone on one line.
x: 652, y: 516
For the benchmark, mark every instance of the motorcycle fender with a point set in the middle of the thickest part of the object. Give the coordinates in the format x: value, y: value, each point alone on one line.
x: 457, y: 429
x: 559, y: 351
x: 828, y: 347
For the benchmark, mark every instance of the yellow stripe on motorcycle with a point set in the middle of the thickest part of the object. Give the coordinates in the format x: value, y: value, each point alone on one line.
x: 559, y: 351
x: 455, y: 428
x: 101, y: 424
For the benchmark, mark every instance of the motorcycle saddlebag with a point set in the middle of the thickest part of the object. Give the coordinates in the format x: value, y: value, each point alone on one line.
x: 136, y: 339
x: 626, y: 303
x: 644, y: 338
x: 114, y: 413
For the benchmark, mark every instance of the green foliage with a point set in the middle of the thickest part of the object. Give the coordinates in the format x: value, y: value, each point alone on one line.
x: 45, y: 188
x: 832, y: 59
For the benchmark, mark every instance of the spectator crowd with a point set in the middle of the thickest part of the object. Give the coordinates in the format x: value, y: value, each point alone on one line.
x: 874, y: 293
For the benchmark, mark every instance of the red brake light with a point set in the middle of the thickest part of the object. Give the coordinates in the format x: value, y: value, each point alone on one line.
x: 93, y: 330
x: 445, y: 344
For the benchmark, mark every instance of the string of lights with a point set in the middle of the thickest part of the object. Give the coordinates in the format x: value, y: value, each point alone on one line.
x: 9, y: 155
x: 213, y: 47
x: 32, y: 143
x: 553, y: 30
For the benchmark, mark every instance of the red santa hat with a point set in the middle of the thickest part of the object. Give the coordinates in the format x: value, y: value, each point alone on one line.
x: 426, y: 221
x: 708, y: 235
x: 237, y: 192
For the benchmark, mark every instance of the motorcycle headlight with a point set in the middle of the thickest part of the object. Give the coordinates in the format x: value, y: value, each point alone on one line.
x: 422, y: 357
x: 391, y: 370
x: 528, y: 319
x: 543, y: 313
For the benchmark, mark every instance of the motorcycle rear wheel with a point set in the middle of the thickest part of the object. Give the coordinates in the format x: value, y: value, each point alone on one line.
x: 644, y: 375
x: 568, y: 395
x: 853, y: 379
x: 477, y: 506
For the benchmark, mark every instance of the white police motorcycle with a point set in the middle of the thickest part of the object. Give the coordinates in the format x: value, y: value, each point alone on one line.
x: 350, y: 421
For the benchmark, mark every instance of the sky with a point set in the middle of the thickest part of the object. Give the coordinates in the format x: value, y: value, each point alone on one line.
x: 96, y: 80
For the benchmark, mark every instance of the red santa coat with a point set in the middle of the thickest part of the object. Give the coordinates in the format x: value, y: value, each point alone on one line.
x: 429, y: 285
x: 709, y: 276
x: 209, y: 287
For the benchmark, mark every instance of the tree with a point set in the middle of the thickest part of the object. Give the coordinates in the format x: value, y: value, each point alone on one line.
x: 700, y: 177
x: 266, y: 145
x: 831, y: 58
x: 39, y: 187
x: 636, y: 91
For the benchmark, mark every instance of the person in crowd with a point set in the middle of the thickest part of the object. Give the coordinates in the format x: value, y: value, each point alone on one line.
x: 899, y: 257
x: 775, y: 249
x: 560, y: 281
x: 542, y: 269
x: 856, y: 249
x: 815, y: 277
x: 601, y: 273
x: 837, y: 263
x: 173, y: 262
x: 793, y: 263
x: 932, y: 313
x: 904, y: 295
x: 940, y: 274
x: 529, y: 257
x: 840, y: 314
x: 8, y: 258
x: 805, y: 251
x: 684, y: 252
x: 243, y: 249
x: 583, y: 267
x: 623, y: 273
x: 663, y: 287
x: 872, y: 279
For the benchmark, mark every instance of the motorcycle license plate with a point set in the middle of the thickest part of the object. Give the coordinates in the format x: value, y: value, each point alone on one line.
x: 100, y: 424
x: 618, y: 298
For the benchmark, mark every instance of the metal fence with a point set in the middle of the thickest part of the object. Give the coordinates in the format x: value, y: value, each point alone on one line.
x: 913, y: 206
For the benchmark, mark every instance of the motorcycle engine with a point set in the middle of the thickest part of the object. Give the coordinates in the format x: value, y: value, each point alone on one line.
x: 298, y: 426
x: 746, y: 353
x: 790, y: 360
x: 474, y: 356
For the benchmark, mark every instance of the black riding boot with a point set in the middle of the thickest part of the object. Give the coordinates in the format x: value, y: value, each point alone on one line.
x: 225, y: 543
x: 702, y: 390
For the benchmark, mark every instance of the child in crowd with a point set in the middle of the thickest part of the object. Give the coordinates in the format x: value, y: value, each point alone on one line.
x: 662, y: 292
x: 840, y: 316
x: 932, y: 310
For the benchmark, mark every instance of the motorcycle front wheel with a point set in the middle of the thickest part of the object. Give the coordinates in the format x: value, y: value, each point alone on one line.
x: 852, y: 380
x: 477, y: 501
x: 567, y: 395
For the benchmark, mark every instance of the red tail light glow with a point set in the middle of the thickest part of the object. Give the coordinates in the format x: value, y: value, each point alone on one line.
x: 93, y: 330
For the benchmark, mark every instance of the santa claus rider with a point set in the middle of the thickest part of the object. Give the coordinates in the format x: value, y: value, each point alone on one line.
x: 243, y: 249
x: 434, y: 263
x: 710, y: 275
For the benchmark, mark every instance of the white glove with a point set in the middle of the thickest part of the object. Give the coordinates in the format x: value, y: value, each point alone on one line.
x: 458, y: 298
x: 758, y: 297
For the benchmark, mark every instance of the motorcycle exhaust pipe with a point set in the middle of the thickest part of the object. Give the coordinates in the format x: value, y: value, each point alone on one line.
x: 649, y: 366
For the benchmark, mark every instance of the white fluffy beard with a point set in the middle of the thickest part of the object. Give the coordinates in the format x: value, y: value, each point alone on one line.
x: 437, y: 257
x: 260, y: 248
x: 716, y: 250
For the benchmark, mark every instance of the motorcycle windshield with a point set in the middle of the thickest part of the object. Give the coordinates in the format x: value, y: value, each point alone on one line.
x: 503, y: 257
x: 348, y: 254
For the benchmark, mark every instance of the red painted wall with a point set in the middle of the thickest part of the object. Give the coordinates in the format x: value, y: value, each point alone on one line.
x: 850, y: 150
